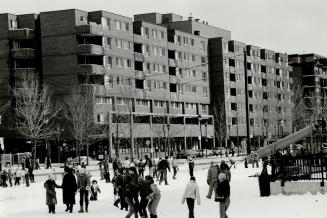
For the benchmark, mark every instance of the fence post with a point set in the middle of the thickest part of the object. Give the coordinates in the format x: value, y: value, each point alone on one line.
x: 322, y: 184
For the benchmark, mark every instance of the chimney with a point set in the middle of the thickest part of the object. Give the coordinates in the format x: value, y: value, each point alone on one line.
x: 197, y: 20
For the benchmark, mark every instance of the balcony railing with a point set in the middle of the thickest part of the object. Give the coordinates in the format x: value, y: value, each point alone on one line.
x: 90, y: 49
x: 24, y: 33
x: 23, y: 53
x: 91, y: 69
x: 172, y: 62
x: 138, y: 56
x: 90, y: 29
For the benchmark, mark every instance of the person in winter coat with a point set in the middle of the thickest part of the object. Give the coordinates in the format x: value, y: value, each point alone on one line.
x: 132, y: 190
x: 190, y: 195
x: 27, y: 177
x: 106, y: 170
x: 140, y: 166
x: 212, y: 178
x: 51, y: 198
x: 4, y: 177
x: 17, y: 176
x: 84, y: 187
x: 145, y: 191
x: 120, y: 183
x: 95, y: 189
x: 69, y: 188
x: 225, y: 169
x: 223, y: 189
x: 154, y: 199
x: 175, y: 167
x: 149, y: 163
x: 164, y: 166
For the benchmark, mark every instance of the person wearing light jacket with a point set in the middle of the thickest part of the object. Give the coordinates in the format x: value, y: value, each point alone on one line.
x: 191, y: 194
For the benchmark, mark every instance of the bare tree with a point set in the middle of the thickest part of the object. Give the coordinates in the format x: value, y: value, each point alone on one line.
x: 219, y: 117
x: 34, y: 109
x: 79, y: 113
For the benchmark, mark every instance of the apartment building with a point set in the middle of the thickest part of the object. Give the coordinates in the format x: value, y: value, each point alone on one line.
x: 310, y: 75
x: 268, y: 89
x: 158, y: 75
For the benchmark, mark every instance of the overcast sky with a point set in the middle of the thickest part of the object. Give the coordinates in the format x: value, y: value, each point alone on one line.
x: 292, y: 26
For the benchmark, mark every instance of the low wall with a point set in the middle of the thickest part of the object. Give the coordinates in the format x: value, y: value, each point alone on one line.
x: 297, y: 187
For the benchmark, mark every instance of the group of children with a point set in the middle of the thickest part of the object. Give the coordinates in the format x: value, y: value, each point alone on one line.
x: 8, y: 175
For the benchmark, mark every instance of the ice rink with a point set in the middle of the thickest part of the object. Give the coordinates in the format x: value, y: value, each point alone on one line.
x: 23, y: 202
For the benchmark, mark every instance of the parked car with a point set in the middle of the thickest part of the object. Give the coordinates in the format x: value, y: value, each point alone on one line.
x: 204, y: 152
x: 183, y: 154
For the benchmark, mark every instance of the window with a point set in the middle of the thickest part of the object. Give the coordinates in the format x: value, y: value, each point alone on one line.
x: 108, y: 82
x: 145, y: 32
x: 126, y: 26
x: 107, y: 41
x: 203, y: 45
x: 139, y: 84
x: 233, y: 106
x: 192, y: 42
x: 203, y: 61
x: 250, y: 94
x: 204, y: 76
x: 119, y: 62
x: 162, y: 33
x: 126, y: 44
x: 118, y: 43
x: 117, y: 24
x: 194, y: 73
x: 233, y: 91
x: 249, y: 80
x: 105, y: 22
x: 82, y: 18
x: 234, y: 121
x: 251, y: 107
x: 232, y: 77
x: 185, y: 40
x: 128, y: 63
x: 155, y: 50
x: 265, y: 95
x: 264, y: 82
x: 13, y: 24
x: 205, y: 92
x: 154, y: 33
x: 193, y: 58
x: 108, y: 62
x: 100, y: 118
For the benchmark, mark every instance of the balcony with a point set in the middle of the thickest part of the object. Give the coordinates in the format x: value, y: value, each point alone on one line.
x: 87, y: 69
x: 139, y: 74
x: 19, y: 34
x: 172, y: 62
x: 21, y: 73
x: 23, y: 53
x: 138, y: 56
x: 172, y: 79
x: 90, y: 49
x: 90, y: 29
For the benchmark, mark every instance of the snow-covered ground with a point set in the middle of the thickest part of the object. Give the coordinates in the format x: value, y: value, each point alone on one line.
x: 24, y: 202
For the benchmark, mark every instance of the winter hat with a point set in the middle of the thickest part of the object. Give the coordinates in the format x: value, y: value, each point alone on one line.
x: 221, y: 177
x: 193, y: 178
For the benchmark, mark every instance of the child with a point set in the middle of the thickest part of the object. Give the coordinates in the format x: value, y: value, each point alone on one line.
x: 94, y: 191
x: 17, y: 177
x: 27, y: 178
x: 51, y: 198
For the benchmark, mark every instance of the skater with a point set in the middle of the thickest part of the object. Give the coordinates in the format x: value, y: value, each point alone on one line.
x: 37, y: 164
x: 158, y: 170
x: 48, y: 162
x: 95, y: 189
x: 27, y: 177
x: 223, y: 194
x: 164, y: 166
x: 115, y: 165
x: 69, y: 188
x: 149, y: 163
x: 30, y: 174
x: 224, y: 168
x: 121, y: 178
x: 4, y: 176
x: 10, y: 177
x: 17, y: 176
x: 212, y: 178
x: 132, y: 190
x: 140, y: 166
x: 175, y: 167
x: 126, y: 163
x: 145, y: 191
x: 51, y: 198
x: 154, y: 199
x: 191, y: 166
x: 84, y: 187
x: 190, y: 195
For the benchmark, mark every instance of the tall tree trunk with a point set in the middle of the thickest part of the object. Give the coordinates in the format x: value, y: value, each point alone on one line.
x: 34, y: 156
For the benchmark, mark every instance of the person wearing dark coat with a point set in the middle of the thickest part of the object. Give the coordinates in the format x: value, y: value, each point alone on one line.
x: 51, y: 197
x: 223, y: 189
x: 69, y: 188
x: 120, y: 183
x: 132, y: 190
x: 145, y: 191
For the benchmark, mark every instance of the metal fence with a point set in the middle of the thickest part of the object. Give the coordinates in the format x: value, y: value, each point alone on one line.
x: 311, y: 167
